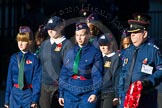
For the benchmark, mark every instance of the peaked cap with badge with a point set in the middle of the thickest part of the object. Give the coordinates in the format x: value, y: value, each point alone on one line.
x: 139, y: 22
x: 103, y: 40
x: 53, y: 22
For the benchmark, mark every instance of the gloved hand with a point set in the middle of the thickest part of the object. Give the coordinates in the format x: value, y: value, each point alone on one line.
x: 6, y: 105
x: 34, y: 105
x: 146, y: 83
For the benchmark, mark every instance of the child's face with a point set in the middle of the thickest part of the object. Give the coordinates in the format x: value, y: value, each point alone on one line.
x: 23, y: 46
x: 82, y: 37
x: 38, y: 41
x: 126, y: 43
x: 93, y: 29
x: 105, y: 49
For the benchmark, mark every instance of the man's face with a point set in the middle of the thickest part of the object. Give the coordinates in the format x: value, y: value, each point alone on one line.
x: 82, y: 37
x: 138, y: 37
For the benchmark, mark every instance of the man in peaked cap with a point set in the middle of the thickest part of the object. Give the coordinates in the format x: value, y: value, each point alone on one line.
x: 142, y: 61
x: 51, y: 54
x: 81, y: 75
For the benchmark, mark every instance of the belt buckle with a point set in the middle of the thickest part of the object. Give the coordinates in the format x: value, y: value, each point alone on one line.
x: 78, y: 77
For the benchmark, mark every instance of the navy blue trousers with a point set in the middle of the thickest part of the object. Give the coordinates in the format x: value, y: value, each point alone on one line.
x: 20, y: 98
x: 72, y: 101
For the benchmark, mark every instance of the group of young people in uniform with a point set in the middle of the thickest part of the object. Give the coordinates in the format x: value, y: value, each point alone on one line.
x: 87, y: 74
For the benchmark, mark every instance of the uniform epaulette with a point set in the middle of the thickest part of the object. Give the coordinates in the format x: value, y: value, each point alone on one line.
x: 153, y: 45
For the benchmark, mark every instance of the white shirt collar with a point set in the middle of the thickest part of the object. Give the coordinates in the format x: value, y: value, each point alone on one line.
x: 109, y: 55
x: 58, y: 40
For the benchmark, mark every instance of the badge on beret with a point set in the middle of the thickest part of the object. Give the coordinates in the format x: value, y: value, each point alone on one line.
x: 28, y: 62
x: 50, y: 21
x: 139, y: 17
x: 58, y: 47
x: 80, y: 26
x: 107, y: 64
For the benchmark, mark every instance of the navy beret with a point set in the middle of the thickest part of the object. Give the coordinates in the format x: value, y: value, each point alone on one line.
x: 81, y: 25
x: 24, y: 29
x: 92, y: 18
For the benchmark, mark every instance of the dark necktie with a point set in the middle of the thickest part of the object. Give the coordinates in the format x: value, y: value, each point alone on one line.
x: 76, y: 62
x: 107, y: 58
x: 21, y: 73
x: 130, y: 71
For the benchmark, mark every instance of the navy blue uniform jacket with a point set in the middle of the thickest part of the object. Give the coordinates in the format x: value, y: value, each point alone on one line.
x: 90, y: 67
x: 148, y: 55
x: 32, y: 74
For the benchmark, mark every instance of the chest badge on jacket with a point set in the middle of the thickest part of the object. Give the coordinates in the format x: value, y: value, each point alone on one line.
x: 146, y: 68
x: 58, y: 47
x: 125, y: 61
x: 28, y: 62
x: 145, y: 61
x: 107, y: 64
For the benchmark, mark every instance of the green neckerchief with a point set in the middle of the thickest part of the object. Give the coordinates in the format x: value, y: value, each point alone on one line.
x: 91, y: 40
x: 21, y: 73
x: 76, y: 62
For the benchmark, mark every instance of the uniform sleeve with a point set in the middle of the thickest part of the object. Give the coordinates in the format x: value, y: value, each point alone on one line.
x: 63, y: 74
x: 116, y: 72
x: 36, y: 82
x: 156, y: 77
x: 62, y: 81
x: 97, y: 73
x: 122, y: 74
x: 121, y: 84
x: 9, y: 82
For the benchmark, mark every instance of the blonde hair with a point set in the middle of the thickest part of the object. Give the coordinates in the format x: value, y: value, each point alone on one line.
x: 25, y: 37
